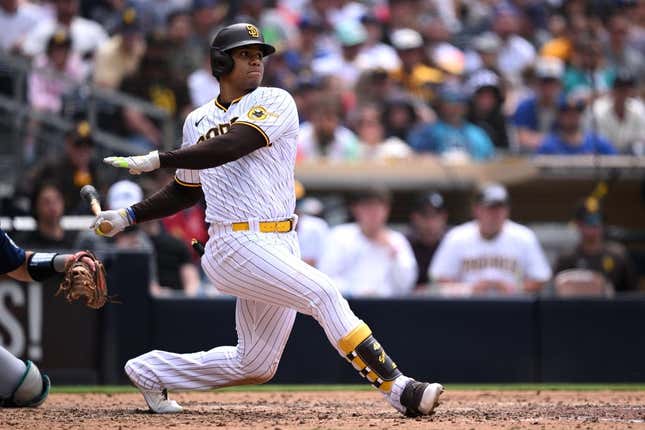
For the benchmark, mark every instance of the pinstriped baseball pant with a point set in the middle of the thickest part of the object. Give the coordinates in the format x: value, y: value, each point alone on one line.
x: 265, y: 272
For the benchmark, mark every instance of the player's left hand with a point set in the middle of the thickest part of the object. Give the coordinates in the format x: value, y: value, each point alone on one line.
x: 136, y: 164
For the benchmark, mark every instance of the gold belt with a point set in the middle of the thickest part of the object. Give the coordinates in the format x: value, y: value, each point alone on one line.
x: 284, y: 226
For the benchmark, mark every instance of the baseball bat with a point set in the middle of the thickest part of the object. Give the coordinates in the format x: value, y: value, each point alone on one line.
x: 91, y: 196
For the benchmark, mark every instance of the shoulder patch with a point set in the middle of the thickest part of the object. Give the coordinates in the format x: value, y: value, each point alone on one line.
x: 257, y: 113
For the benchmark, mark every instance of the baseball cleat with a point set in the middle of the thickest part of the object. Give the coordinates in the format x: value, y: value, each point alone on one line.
x: 159, y: 403
x: 420, y: 398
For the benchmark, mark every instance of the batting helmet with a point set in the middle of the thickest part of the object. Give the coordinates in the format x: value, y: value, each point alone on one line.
x: 234, y: 36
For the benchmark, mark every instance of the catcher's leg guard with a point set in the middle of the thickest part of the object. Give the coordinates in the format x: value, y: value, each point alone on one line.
x: 369, y: 358
x: 32, y: 390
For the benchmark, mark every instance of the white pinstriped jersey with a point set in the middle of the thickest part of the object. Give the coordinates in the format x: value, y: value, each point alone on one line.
x: 259, y: 185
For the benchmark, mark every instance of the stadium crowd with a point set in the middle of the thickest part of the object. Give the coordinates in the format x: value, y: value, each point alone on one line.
x: 468, y: 80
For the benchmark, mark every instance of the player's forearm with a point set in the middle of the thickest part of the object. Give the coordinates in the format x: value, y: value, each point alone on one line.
x: 40, y: 266
x: 238, y: 142
x: 167, y: 201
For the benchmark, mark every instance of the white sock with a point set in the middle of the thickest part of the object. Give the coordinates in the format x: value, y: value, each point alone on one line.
x: 394, y: 396
x: 11, y: 371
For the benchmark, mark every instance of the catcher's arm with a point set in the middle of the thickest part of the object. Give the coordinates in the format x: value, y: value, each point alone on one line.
x: 39, y: 266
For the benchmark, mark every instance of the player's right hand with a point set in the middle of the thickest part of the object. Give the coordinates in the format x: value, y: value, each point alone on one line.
x: 118, y: 219
x: 136, y: 164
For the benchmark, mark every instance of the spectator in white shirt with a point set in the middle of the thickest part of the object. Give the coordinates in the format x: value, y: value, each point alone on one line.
x: 620, y: 115
x: 490, y: 254
x: 312, y: 230
x: 86, y: 34
x: 366, y: 258
x: 516, y: 53
x: 17, y: 18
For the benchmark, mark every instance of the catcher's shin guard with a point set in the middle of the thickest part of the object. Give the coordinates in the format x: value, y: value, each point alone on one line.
x: 32, y: 390
x: 369, y: 358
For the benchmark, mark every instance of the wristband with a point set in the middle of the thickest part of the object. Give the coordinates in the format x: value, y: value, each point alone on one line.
x: 129, y: 212
x: 40, y: 265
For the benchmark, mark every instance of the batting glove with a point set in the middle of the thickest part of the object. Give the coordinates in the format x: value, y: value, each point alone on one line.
x: 137, y: 164
x: 109, y: 223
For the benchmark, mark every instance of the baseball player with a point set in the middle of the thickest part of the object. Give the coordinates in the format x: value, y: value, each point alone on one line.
x: 240, y: 150
x: 21, y: 383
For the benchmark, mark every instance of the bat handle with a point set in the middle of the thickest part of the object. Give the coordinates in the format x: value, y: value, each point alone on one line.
x: 95, y: 206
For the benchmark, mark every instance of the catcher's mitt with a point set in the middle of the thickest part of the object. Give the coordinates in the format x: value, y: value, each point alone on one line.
x: 85, y: 277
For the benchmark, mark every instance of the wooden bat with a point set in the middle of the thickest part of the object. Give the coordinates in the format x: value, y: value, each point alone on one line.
x: 91, y: 196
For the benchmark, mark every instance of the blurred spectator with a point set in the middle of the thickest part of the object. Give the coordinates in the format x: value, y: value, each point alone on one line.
x: 535, y: 116
x: 399, y: 117
x: 485, y: 106
x: 620, y: 116
x: 376, y: 55
x: 588, y: 73
x: 71, y: 169
x: 203, y: 86
x: 594, y: 253
x: 176, y: 270
x: 414, y: 75
x: 371, y: 135
x: 311, y: 228
x: 324, y: 136
x: 559, y: 45
x: 428, y: 222
x: 17, y: 19
x: 312, y: 43
x: 48, y: 207
x: 343, y: 66
x: 485, y: 47
x: 86, y: 35
x: 55, y: 74
x: 367, y: 258
x: 516, y: 53
x: 306, y: 93
x: 184, y: 57
x: 490, y: 254
x: 452, y: 136
x: 206, y: 16
x: 154, y: 83
x: 569, y: 138
x: 121, y: 55
x: 619, y: 53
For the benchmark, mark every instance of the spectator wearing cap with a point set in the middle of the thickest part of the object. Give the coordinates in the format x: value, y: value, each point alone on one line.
x: 55, y: 74
x: 428, y: 222
x: 343, y: 66
x: 366, y: 258
x: 414, y: 75
x: 620, y: 115
x: 490, y: 254
x: 399, y: 117
x: 569, y: 138
x: 485, y: 107
x: 86, y: 35
x: 184, y: 56
x: 452, y: 135
x: 516, y: 53
x: 17, y: 19
x: 70, y: 169
x: 312, y: 230
x: 483, y: 54
x: 595, y: 253
x: 206, y: 15
x: 120, y: 56
x: 323, y: 137
x: 535, y: 116
x: 376, y: 55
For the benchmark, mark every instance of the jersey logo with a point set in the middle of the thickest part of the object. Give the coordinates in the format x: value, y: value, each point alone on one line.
x: 200, y: 120
x: 253, y: 31
x: 257, y: 113
x: 217, y: 130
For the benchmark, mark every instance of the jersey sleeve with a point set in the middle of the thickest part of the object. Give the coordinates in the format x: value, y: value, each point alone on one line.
x: 446, y: 262
x: 272, y: 112
x: 190, y: 136
x: 11, y: 255
x: 537, y: 267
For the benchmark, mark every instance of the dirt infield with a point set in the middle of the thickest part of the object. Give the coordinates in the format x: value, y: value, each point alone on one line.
x: 338, y: 410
